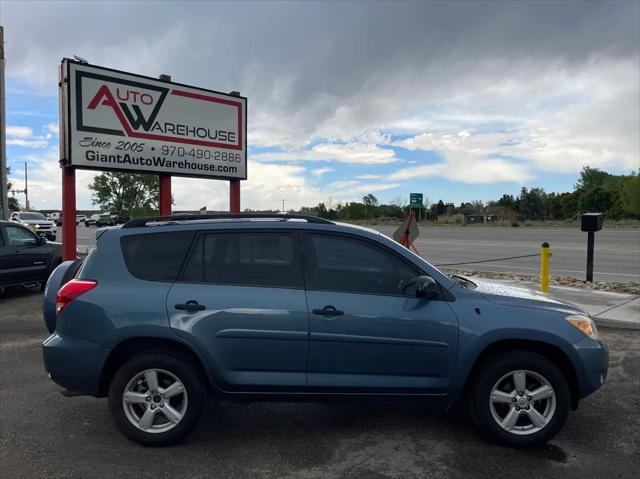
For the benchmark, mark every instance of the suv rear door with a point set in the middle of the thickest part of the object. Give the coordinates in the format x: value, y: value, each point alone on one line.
x: 241, y: 299
x: 368, y: 330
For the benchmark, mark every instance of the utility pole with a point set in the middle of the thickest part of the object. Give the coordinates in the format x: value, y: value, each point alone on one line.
x: 4, y: 198
x: 283, y: 205
x: 26, y: 188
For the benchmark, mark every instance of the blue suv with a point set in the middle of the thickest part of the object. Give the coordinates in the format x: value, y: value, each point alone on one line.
x: 167, y: 311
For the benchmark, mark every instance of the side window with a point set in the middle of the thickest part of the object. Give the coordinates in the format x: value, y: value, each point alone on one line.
x: 245, y: 258
x: 20, y: 236
x: 156, y: 256
x: 340, y: 263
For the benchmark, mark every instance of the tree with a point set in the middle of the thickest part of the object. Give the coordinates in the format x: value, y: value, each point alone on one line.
x: 591, y: 178
x: 439, y: 208
x: 595, y: 199
x: 478, y: 205
x: 630, y: 195
x: 531, y: 204
x: 115, y: 191
x: 13, y: 204
x: 398, y: 201
x: 370, y: 200
x: 508, y: 201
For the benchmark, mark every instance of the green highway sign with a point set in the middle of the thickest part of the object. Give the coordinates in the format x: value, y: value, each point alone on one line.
x: 415, y: 200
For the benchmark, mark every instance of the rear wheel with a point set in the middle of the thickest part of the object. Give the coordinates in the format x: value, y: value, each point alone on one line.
x: 520, y: 398
x: 157, y: 398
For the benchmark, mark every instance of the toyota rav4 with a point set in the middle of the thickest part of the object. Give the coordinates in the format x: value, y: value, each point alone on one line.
x: 167, y: 311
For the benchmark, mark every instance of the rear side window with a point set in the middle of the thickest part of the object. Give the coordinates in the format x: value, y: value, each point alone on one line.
x: 252, y: 259
x: 157, y: 256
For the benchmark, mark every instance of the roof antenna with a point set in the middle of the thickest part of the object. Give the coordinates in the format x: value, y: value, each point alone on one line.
x: 80, y: 59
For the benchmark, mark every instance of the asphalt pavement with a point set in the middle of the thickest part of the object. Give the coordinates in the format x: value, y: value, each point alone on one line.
x: 617, y: 250
x: 616, y: 257
x: 44, y: 434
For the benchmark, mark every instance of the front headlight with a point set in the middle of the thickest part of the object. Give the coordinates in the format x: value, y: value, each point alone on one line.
x: 584, y: 324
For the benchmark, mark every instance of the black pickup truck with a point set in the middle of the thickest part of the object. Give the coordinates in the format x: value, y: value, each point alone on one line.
x: 25, y: 258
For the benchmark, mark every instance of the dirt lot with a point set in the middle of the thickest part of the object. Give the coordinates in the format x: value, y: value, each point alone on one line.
x: 43, y: 434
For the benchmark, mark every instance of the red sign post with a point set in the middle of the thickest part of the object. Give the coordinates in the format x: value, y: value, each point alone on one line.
x: 114, y: 120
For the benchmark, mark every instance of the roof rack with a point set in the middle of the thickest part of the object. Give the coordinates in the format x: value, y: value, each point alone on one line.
x: 169, y: 219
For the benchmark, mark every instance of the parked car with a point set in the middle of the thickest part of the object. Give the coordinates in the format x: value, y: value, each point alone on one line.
x: 165, y: 311
x: 91, y: 220
x: 80, y: 219
x: 99, y: 220
x: 57, y: 218
x: 121, y: 218
x: 37, y: 222
x: 25, y: 258
x: 105, y: 219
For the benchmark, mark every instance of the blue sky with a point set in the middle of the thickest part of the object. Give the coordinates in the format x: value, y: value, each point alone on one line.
x: 461, y: 101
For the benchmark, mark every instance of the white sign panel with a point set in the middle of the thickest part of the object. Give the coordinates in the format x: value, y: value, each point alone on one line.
x: 117, y: 120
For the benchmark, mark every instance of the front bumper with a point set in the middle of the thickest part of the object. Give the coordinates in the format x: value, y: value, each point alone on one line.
x: 50, y: 235
x: 594, y: 356
x: 73, y: 363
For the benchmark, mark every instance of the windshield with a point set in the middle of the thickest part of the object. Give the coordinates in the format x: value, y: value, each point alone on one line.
x: 32, y: 216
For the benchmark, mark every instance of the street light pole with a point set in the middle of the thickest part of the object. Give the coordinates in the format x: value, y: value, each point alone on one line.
x: 283, y: 205
x: 4, y: 197
x: 26, y: 187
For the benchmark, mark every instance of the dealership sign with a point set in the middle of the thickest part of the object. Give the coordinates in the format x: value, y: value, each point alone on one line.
x: 122, y: 121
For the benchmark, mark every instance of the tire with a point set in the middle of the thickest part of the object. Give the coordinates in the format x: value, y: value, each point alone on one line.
x: 188, y: 404
x: 86, y: 223
x: 527, y: 422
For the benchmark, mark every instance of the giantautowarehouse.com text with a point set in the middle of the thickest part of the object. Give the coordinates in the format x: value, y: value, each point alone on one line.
x: 157, y: 162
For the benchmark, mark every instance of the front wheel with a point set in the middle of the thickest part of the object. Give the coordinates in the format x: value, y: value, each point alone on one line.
x: 520, y: 399
x: 157, y: 398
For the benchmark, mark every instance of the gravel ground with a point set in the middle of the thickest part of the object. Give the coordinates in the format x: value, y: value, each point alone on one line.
x: 617, y: 287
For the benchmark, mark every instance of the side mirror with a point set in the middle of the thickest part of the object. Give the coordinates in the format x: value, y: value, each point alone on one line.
x: 426, y: 287
x: 42, y: 240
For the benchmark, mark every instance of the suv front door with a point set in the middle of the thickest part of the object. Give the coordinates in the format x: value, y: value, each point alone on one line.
x: 241, y: 298
x: 23, y: 259
x: 368, y: 331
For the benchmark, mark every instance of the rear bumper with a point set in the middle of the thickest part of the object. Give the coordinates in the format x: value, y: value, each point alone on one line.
x: 73, y: 363
x: 594, y: 356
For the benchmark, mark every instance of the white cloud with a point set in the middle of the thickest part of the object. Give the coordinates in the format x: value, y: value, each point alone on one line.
x: 19, y: 131
x: 23, y: 136
x: 28, y: 143
x: 267, y: 185
x: 52, y: 128
x: 321, y: 171
x: 467, y: 158
x: 341, y: 153
x: 350, y: 189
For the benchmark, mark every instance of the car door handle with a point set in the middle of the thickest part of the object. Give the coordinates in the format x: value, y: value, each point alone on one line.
x: 328, y: 311
x: 191, y: 306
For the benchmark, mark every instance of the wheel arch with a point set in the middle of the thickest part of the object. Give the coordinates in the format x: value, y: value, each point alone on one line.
x: 131, y: 346
x: 553, y: 353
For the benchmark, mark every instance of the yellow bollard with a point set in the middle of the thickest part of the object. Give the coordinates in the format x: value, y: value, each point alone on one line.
x: 545, y: 253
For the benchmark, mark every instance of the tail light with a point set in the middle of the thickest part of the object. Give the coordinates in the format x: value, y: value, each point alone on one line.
x: 71, y: 291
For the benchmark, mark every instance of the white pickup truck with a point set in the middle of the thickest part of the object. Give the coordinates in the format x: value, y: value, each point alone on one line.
x: 37, y: 222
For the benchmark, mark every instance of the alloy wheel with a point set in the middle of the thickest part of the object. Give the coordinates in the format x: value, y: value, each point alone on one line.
x: 155, y: 400
x: 522, y: 402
